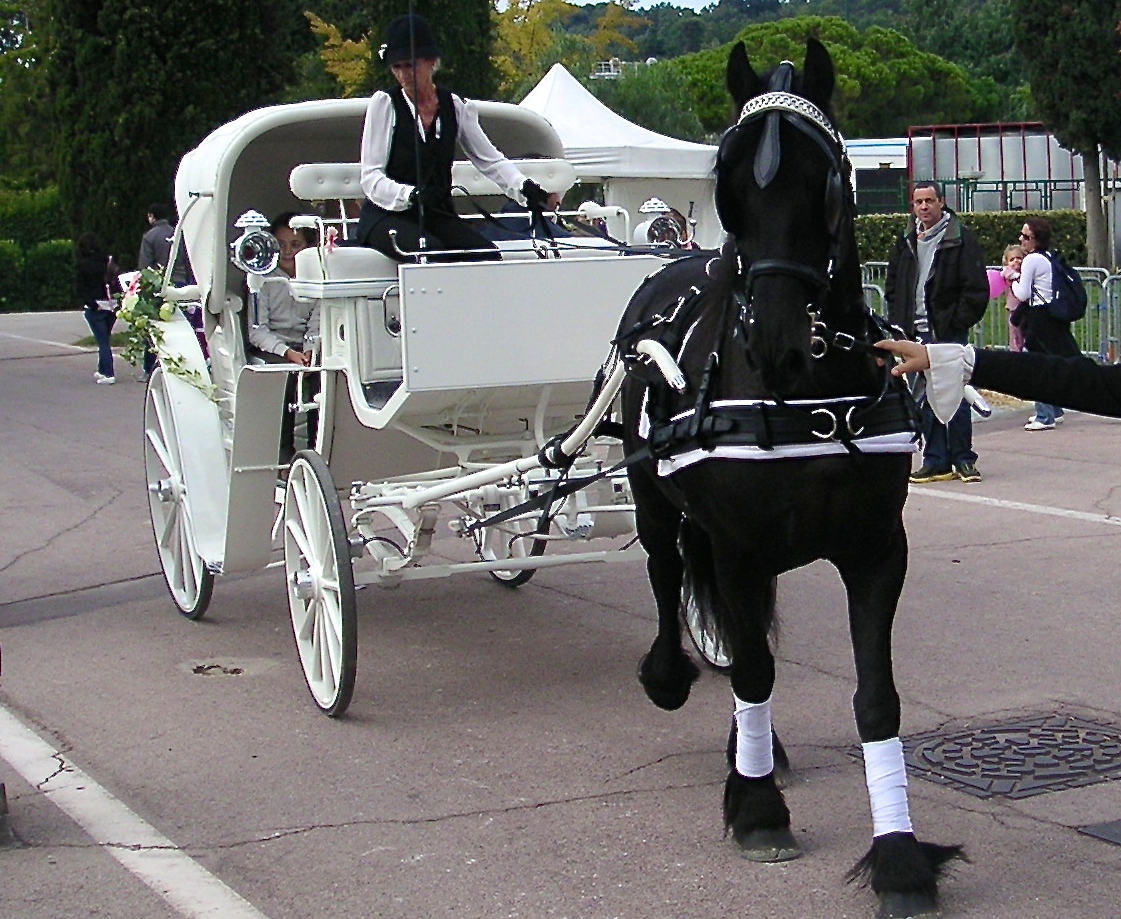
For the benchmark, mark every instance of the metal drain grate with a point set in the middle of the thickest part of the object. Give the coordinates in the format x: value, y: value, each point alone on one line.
x: 1029, y: 757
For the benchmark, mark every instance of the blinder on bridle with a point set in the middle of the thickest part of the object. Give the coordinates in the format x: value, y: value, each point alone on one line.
x: 774, y: 106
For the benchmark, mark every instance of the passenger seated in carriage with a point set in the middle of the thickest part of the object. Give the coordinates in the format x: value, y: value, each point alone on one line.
x: 283, y: 329
x: 408, y: 146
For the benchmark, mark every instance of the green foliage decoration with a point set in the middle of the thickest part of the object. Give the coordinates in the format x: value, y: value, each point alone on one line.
x: 145, y: 310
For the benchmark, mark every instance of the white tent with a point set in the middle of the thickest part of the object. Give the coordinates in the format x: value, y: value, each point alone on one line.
x: 602, y: 144
x: 632, y: 162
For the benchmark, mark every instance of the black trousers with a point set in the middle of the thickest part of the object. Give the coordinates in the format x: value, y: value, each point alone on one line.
x: 442, y: 231
x: 288, y: 419
x: 1045, y: 335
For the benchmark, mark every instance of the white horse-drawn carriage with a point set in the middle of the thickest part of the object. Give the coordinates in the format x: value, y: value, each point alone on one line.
x: 440, y: 383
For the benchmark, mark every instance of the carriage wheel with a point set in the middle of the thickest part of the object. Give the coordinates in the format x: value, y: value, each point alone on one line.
x: 499, y: 545
x: 320, y: 579
x: 706, y: 641
x: 188, y: 579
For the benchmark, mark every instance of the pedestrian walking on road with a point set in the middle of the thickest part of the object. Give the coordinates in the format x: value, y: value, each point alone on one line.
x: 96, y: 274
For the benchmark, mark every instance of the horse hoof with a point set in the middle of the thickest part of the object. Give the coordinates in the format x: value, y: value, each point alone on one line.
x: 769, y: 845
x: 896, y: 905
x: 668, y: 689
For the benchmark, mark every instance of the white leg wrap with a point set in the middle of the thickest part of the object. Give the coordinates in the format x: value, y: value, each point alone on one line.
x: 887, y: 786
x: 754, y: 753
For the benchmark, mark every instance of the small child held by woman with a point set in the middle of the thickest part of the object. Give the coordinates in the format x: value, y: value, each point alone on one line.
x: 1010, y: 270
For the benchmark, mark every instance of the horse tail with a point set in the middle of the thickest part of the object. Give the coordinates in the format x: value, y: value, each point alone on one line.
x: 699, y: 589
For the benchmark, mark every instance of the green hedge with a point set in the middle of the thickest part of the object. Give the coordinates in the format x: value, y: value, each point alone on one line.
x: 48, y: 276
x: 31, y: 217
x: 876, y: 233
x: 40, y: 279
x: 11, y: 275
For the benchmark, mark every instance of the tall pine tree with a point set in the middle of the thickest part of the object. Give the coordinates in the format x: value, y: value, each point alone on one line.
x: 136, y: 85
x: 464, y: 32
x: 1070, y: 53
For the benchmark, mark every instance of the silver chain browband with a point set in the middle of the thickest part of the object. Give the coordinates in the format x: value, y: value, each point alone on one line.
x: 796, y: 105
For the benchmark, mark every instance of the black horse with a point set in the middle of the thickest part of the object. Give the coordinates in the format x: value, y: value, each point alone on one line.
x: 789, y: 443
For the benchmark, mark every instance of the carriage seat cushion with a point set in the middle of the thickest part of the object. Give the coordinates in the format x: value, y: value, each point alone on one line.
x: 329, y: 181
x: 344, y: 263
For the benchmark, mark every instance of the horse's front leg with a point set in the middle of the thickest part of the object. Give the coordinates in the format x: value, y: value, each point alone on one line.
x: 754, y: 808
x: 902, y: 871
x: 667, y: 673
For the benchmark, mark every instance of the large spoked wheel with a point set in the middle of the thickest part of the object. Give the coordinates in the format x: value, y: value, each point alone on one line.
x: 505, y: 541
x: 188, y: 579
x: 320, y: 580
x: 705, y: 640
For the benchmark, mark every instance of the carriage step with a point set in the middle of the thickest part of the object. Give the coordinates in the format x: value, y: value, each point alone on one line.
x: 379, y: 392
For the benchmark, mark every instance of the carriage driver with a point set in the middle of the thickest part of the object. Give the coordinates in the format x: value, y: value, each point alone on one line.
x: 408, y: 145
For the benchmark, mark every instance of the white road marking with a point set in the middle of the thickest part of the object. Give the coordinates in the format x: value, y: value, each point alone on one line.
x: 1018, y: 506
x: 187, y: 887
x: 43, y: 341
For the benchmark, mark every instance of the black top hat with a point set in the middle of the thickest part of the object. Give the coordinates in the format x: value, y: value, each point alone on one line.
x: 397, y: 43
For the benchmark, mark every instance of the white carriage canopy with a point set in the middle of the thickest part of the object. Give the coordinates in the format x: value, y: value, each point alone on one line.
x: 632, y: 162
x: 246, y: 164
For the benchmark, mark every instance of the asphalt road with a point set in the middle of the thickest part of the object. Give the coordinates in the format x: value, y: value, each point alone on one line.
x: 499, y: 758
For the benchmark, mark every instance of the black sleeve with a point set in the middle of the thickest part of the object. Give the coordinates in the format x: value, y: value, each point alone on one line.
x: 974, y: 283
x: 894, y: 309
x: 1077, y: 383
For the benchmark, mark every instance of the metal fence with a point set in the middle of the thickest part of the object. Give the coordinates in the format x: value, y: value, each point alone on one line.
x: 1098, y: 333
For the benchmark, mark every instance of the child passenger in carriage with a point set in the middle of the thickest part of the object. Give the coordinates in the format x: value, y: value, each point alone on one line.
x: 408, y: 146
x: 283, y: 329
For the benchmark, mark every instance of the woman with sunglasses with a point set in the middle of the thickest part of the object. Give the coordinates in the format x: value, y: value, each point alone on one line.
x: 1043, y: 334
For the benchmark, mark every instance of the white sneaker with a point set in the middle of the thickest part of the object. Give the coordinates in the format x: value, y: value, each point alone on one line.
x: 103, y: 380
x: 1059, y: 419
x: 1036, y: 425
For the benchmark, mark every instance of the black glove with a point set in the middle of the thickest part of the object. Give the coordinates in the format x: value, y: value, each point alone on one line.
x: 537, y: 199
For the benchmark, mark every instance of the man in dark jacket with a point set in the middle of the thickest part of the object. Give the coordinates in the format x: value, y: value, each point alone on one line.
x: 936, y: 291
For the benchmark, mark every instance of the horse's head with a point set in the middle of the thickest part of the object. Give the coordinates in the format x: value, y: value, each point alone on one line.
x: 783, y: 193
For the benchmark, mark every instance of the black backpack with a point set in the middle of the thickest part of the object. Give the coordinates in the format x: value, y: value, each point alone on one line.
x: 1068, y: 301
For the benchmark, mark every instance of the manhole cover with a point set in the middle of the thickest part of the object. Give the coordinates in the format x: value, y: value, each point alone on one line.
x: 1028, y: 757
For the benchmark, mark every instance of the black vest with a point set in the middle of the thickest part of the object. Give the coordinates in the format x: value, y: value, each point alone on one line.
x: 424, y: 163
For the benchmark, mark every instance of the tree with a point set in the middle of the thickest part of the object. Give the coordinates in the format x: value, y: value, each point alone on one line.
x: 884, y: 83
x: 651, y: 96
x: 137, y: 85
x: 1070, y: 52
x: 464, y: 31
x: 346, y: 60
x: 26, y: 143
x: 610, y: 37
x: 530, y: 40
x: 975, y: 34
